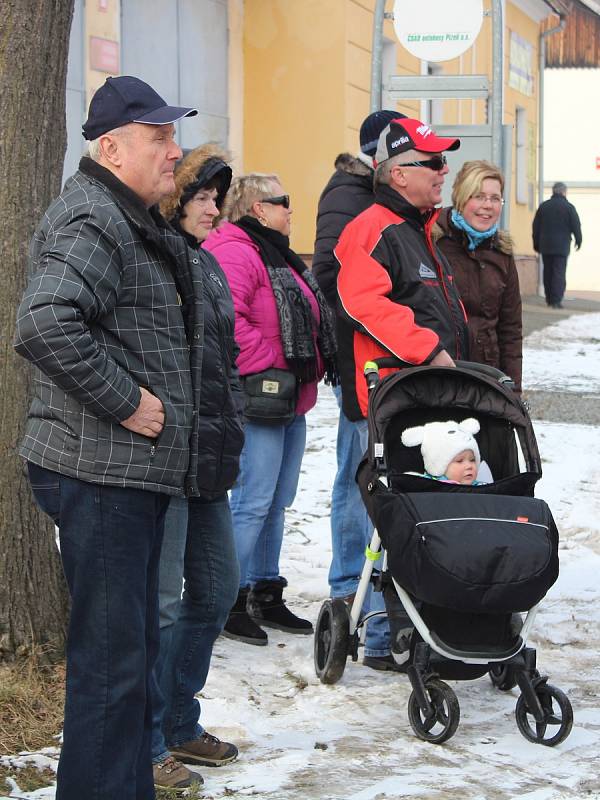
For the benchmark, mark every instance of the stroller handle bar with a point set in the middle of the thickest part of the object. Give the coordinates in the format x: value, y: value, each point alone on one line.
x: 371, y: 370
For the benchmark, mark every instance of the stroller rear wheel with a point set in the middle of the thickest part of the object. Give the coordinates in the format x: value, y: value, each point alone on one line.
x: 503, y: 677
x: 332, y: 634
x: 557, y: 712
x: 442, y: 723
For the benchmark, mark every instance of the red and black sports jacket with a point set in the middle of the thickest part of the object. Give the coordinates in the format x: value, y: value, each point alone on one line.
x: 397, y: 297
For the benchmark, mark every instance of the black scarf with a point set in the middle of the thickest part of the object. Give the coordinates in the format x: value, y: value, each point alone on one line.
x: 296, y: 320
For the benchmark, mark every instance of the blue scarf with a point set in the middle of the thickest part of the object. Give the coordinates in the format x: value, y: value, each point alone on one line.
x: 475, y: 237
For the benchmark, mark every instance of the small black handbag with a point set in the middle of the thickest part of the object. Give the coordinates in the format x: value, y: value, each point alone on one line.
x: 270, y: 396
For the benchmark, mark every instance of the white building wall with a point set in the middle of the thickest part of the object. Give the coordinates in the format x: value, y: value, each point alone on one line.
x: 572, y: 155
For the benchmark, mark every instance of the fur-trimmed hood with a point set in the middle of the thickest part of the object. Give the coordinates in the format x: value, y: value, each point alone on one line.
x: 186, y: 172
x: 352, y: 165
x: 502, y: 241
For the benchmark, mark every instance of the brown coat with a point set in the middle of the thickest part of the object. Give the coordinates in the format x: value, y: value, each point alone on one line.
x: 488, y: 283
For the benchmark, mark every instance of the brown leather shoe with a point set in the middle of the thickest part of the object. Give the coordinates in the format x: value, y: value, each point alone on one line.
x: 171, y: 776
x: 207, y: 750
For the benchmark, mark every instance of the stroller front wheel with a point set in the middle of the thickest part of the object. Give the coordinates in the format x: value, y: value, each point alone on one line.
x: 557, y: 712
x: 442, y: 722
x: 332, y: 635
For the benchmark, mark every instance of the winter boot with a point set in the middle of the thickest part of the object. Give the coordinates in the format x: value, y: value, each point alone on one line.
x: 239, y: 625
x: 267, y: 607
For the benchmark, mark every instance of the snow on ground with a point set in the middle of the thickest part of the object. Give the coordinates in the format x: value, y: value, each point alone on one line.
x: 301, y: 740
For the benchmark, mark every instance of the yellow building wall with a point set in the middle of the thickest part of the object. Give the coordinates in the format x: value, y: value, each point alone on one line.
x: 307, y: 81
x: 521, y: 216
x: 235, y: 93
x: 294, y: 99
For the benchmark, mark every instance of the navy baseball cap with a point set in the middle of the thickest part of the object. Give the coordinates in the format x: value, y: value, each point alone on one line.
x: 127, y: 99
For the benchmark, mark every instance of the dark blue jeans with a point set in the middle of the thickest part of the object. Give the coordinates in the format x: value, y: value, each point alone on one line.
x: 555, y: 277
x: 110, y: 541
x: 199, y: 552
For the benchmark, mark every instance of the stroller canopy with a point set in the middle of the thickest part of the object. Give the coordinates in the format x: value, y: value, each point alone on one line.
x: 420, y: 395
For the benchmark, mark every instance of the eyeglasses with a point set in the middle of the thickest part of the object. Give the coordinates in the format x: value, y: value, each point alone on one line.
x: 282, y: 200
x: 494, y: 199
x: 436, y: 163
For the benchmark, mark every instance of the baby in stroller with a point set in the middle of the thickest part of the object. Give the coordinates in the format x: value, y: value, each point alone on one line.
x: 450, y: 452
x: 458, y: 556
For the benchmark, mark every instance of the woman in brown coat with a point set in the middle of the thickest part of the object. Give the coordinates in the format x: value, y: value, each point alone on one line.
x: 481, y: 257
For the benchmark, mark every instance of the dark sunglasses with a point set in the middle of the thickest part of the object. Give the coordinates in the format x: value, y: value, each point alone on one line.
x: 436, y: 163
x: 282, y: 200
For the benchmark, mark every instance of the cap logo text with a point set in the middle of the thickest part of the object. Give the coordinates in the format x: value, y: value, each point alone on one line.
x: 424, y: 130
x: 398, y: 142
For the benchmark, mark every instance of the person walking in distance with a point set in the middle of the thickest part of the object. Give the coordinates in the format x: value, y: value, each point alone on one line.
x: 111, y: 319
x: 555, y: 222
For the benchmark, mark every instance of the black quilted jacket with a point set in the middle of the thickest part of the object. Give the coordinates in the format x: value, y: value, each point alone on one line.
x: 116, y: 301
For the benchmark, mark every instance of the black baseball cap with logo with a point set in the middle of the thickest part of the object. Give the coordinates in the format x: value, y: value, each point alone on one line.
x: 128, y: 99
x: 411, y: 134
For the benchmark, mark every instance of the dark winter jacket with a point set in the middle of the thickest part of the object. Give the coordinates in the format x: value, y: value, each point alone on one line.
x: 348, y: 193
x: 220, y: 432
x: 555, y: 221
x: 115, y: 303
x: 488, y: 284
x: 222, y: 400
x: 397, y: 290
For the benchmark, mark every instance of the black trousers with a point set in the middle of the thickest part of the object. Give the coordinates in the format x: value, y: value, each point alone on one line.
x: 555, y: 280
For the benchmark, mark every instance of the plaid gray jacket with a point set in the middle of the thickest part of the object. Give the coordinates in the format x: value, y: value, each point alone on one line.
x: 114, y: 303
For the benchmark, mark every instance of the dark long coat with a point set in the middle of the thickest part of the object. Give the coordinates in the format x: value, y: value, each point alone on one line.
x: 488, y: 284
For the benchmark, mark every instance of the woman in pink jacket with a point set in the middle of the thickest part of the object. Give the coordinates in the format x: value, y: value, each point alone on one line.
x: 281, y: 320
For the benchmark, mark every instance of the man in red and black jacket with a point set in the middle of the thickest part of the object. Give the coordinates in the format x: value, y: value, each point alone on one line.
x: 396, y: 289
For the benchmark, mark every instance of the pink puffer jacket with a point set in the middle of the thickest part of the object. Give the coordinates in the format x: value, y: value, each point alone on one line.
x: 257, y: 329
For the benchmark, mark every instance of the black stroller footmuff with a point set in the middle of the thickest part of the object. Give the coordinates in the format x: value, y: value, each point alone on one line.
x: 469, y: 551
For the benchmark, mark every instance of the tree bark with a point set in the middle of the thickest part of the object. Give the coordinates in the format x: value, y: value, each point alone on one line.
x: 34, y: 46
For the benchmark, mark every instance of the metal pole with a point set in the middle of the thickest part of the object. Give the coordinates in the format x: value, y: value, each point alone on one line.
x: 497, y: 103
x: 376, y: 57
x: 542, y: 67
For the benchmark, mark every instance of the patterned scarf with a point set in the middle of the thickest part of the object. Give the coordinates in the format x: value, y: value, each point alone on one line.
x: 475, y: 237
x: 296, y: 320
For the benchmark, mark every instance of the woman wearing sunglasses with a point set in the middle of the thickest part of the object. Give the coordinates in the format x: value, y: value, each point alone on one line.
x: 282, y: 322
x: 481, y: 256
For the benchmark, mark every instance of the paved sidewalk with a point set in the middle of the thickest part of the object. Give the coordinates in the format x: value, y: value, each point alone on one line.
x: 558, y: 405
x: 537, y: 315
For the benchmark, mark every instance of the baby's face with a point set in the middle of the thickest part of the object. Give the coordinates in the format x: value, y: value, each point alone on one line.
x: 463, y: 468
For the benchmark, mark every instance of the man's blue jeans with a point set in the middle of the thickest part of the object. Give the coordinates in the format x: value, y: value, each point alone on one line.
x: 269, y: 471
x: 110, y: 540
x: 351, y: 529
x: 199, y: 554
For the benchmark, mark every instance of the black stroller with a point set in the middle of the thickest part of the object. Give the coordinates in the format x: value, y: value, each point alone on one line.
x: 457, y: 563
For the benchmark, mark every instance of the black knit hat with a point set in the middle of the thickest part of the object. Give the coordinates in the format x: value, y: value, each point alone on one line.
x: 372, y: 127
x: 215, y: 172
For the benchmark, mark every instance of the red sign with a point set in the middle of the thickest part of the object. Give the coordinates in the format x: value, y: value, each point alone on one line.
x: 104, y: 55
x: 597, y: 162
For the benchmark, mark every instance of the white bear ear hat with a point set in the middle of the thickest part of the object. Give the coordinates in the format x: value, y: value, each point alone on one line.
x: 442, y: 441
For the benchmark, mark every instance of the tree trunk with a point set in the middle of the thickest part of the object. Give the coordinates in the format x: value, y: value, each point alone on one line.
x: 34, y: 46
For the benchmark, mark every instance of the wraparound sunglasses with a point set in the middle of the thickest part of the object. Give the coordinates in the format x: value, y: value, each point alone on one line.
x: 436, y: 163
x: 282, y: 200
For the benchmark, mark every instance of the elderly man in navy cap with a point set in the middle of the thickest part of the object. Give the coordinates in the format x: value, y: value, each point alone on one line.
x: 110, y: 320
